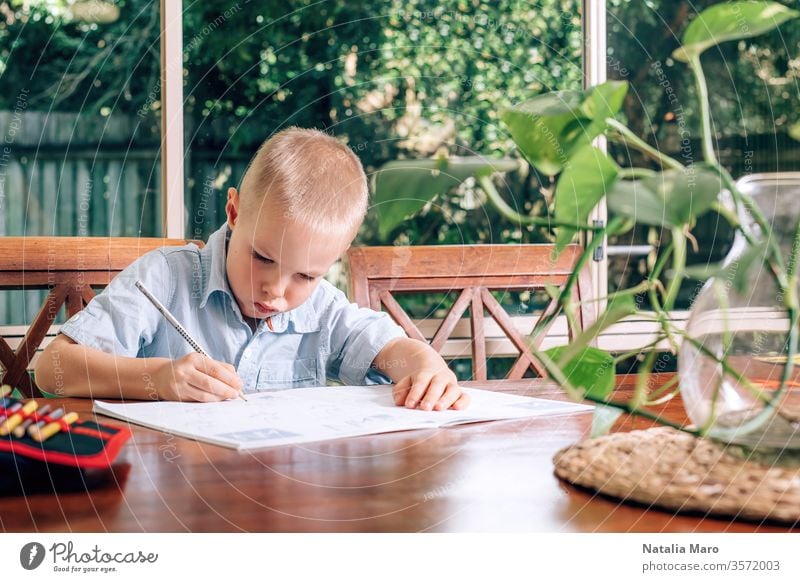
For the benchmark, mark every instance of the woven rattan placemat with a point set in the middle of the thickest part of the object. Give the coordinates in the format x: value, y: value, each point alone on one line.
x: 674, y: 470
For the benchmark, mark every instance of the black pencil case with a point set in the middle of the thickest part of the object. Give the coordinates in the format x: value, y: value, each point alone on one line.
x: 84, y: 443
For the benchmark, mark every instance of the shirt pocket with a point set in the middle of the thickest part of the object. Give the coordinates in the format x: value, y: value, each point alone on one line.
x: 297, y: 373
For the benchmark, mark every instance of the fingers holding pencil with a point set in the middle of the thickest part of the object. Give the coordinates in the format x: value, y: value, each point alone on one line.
x: 196, y: 378
x: 192, y: 342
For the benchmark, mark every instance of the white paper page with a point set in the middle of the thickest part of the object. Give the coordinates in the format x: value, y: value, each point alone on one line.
x: 315, y: 414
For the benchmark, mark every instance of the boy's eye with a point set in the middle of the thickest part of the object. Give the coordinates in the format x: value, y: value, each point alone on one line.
x: 264, y: 260
x: 306, y: 277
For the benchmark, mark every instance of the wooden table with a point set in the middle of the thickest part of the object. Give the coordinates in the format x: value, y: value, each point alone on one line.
x: 495, y: 476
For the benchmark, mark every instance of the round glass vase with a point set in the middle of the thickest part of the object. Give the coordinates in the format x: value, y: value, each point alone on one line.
x: 731, y: 364
x: 730, y: 368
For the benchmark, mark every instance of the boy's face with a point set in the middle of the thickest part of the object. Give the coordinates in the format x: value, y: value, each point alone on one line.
x: 274, y: 263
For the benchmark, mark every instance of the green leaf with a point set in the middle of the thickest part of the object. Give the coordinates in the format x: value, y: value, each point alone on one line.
x: 689, y: 193
x: 632, y: 199
x: 549, y: 128
x: 402, y: 188
x: 674, y: 197
x: 591, y: 370
x: 603, y: 419
x: 618, y: 308
x: 588, y: 177
x: 606, y: 101
x: 730, y: 21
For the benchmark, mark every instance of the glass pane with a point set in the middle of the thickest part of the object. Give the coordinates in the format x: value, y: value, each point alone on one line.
x: 79, y: 124
x: 80, y: 118
x: 754, y: 91
x: 392, y: 79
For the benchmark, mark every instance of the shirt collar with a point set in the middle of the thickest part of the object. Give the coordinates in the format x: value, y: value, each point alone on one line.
x: 303, y: 319
x: 212, y: 259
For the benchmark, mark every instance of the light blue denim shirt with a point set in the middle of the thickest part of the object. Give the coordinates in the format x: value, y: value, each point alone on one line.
x: 327, y: 337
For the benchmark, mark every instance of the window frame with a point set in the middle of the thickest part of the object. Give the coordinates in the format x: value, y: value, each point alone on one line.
x: 172, y: 146
x: 634, y: 332
x: 594, y: 50
x: 595, y: 45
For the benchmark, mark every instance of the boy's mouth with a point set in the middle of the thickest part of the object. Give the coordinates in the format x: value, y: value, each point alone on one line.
x: 264, y: 310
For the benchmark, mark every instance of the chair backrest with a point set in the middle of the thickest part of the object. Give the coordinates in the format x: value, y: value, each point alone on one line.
x: 376, y: 273
x: 69, y: 268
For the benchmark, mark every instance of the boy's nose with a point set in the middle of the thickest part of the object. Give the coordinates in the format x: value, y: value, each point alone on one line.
x: 275, y: 288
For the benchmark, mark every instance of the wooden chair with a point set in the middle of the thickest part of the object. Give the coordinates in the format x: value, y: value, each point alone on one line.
x: 474, y: 270
x: 69, y: 268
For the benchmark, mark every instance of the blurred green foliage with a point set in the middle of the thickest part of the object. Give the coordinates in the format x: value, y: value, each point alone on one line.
x: 71, y: 64
x: 397, y: 80
x: 401, y: 78
x: 754, y: 81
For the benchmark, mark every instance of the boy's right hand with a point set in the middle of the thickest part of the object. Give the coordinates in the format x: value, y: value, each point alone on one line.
x: 196, y: 378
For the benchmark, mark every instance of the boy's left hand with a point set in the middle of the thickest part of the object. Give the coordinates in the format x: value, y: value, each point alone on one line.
x: 430, y: 389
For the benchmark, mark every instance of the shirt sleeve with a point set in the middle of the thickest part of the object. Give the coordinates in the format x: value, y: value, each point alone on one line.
x: 357, y: 335
x: 121, y: 320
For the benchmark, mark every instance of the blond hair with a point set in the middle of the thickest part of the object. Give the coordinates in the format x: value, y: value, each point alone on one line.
x: 310, y: 177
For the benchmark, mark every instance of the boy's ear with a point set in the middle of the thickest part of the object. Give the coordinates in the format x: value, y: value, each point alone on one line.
x: 232, y: 206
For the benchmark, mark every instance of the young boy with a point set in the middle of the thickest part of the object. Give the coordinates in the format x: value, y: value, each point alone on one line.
x: 254, y: 297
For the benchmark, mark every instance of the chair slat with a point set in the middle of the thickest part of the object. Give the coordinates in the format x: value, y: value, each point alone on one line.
x: 526, y: 358
x: 378, y: 275
x: 60, y: 253
x: 38, y: 329
x: 478, y: 337
x: 74, y: 301
x: 400, y: 316
x: 451, y: 320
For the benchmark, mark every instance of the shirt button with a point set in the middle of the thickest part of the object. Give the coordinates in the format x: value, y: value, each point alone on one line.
x: 246, y: 355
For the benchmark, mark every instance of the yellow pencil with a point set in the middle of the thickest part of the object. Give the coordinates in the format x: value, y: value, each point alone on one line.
x: 20, y: 431
x: 52, y: 428
x: 48, y: 419
x: 5, y: 390
x: 15, y: 419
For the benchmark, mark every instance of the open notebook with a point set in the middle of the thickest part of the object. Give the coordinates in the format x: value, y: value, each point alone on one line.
x: 315, y: 414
